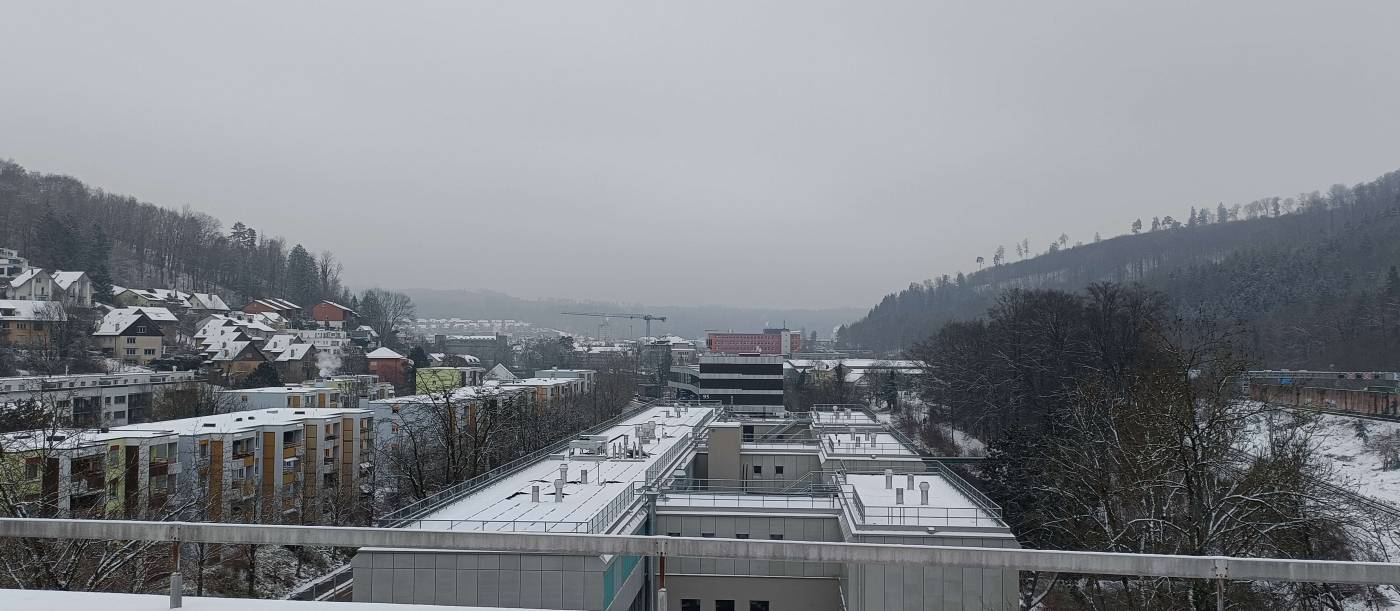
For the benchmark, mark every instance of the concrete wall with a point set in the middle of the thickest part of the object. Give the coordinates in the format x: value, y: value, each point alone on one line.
x: 542, y: 581
x: 782, y: 593
x: 757, y: 526
x: 874, y: 587
x: 795, y: 467
x: 724, y: 451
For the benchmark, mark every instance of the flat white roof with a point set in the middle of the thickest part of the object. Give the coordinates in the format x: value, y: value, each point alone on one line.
x: 52, y: 600
x: 506, y: 504
x: 947, y: 506
x: 242, y: 421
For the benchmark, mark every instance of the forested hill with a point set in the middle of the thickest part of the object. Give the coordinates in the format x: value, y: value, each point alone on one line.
x: 57, y: 222
x: 1312, y: 277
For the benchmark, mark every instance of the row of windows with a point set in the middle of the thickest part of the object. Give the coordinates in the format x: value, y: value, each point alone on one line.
x: 706, y: 535
x: 693, y: 604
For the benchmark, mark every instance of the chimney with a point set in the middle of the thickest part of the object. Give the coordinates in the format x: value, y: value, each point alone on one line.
x: 872, y: 437
x: 889, y: 478
x: 564, y: 472
x: 910, y: 482
x: 535, y: 493
x: 898, y: 496
x: 583, y: 476
x: 923, y: 493
x: 559, y: 491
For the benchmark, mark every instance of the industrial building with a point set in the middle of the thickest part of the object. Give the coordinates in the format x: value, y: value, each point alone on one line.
x: 689, y: 469
x: 747, y: 383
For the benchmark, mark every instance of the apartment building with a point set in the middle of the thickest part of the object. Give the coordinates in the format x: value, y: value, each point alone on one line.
x: 89, y: 473
x: 332, y: 342
x: 587, y: 375
x: 95, y: 399
x: 547, y: 390
x: 293, y: 396
x: 690, y: 469
x: 443, y: 379
x: 236, y: 466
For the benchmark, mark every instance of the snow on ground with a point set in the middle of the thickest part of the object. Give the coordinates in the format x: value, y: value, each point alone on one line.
x: 967, y: 444
x: 1355, y: 451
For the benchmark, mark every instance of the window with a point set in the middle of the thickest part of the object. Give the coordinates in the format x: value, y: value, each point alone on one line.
x: 758, y: 605
x: 667, y: 534
x: 778, y: 469
x: 130, y: 340
x: 741, y: 535
x: 119, y: 399
x: 690, y: 604
x: 131, y: 352
x: 724, y: 605
x: 31, y: 470
x: 708, y: 535
x: 150, y: 351
x: 776, y: 537
x: 758, y: 469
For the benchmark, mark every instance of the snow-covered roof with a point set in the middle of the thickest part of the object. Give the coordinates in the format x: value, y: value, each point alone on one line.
x: 25, y: 277
x: 119, y: 320
x: 384, y: 353
x: 500, y: 372
x: 208, y: 301
x: 506, y: 503
x: 275, y: 304
x: 337, y: 306
x: 65, y: 280
x: 229, y: 351
x: 25, y: 309
x: 277, y: 343
x: 295, y: 352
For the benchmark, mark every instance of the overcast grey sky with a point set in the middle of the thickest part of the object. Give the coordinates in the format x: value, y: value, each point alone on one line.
x: 753, y: 153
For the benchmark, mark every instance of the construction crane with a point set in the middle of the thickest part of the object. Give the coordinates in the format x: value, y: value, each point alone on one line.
x: 646, y: 317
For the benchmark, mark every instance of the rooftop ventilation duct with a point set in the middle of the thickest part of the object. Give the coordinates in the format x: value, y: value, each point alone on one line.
x: 898, y: 496
x: 563, y: 472
x: 889, y: 478
x: 535, y: 493
x: 559, y: 491
x: 910, y: 482
x: 923, y: 493
x: 583, y: 476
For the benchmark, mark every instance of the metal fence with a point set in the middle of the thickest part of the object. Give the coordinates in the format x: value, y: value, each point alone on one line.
x: 1216, y: 568
x: 441, y: 498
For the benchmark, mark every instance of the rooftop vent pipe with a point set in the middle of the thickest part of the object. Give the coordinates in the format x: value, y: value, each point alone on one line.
x: 559, y: 491
x: 563, y: 472
x: 889, y: 478
x: 910, y: 482
x: 923, y: 493
x: 535, y: 493
x: 583, y: 476
x: 898, y: 496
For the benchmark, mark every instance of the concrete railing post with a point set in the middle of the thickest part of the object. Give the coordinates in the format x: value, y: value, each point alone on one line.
x: 177, y: 580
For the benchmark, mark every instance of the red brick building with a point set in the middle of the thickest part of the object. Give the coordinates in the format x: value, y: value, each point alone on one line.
x: 770, y: 341
x: 390, y: 366
x: 333, y: 315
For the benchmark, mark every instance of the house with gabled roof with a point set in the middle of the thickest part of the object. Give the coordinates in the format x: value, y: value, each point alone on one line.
x: 233, y: 360
x: 73, y: 288
x: 132, y: 334
x: 333, y: 315
x: 26, y: 322
x: 273, y: 305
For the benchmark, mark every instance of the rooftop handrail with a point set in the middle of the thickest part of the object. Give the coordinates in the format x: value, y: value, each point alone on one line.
x: 440, y: 498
